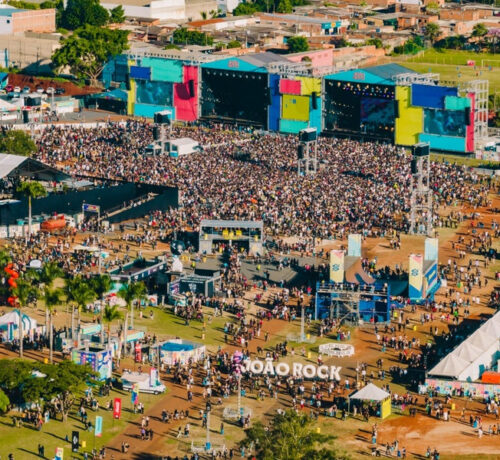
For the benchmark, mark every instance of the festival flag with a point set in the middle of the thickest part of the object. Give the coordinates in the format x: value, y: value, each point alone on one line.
x: 117, y: 408
x: 98, y: 426
x: 135, y: 393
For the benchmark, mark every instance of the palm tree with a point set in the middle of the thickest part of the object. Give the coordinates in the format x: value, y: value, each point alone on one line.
x: 52, y: 298
x: 79, y: 291
x: 101, y: 284
x: 110, y: 314
x: 23, y: 291
x: 31, y: 190
x: 131, y: 293
x: 50, y: 271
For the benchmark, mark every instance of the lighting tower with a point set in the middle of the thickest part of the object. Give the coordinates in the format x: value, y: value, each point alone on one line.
x: 307, y: 152
x: 421, y: 193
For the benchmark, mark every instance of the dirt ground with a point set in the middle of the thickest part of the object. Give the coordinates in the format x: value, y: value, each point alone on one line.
x: 17, y: 79
x: 454, y: 439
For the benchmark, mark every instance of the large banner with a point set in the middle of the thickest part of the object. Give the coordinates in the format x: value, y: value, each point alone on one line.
x: 337, y: 266
x: 354, y: 245
x: 117, y: 408
x: 98, y: 426
x: 416, y: 276
x: 431, y: 249
x: 447, y: 387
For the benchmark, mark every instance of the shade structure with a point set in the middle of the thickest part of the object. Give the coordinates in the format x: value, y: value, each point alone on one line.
x: 370, y: 393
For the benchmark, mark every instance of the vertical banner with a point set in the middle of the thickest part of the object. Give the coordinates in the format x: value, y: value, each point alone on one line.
x: 153, y: 377
x: 138, y: 352
x: 75, y: 441
x: 98, y: 426
x: 431, y: 249
x: 117, y: 408
x: 59, y: 453
x: 354, y: 245
x: 337, y: 266
x: 416, y: 276
x: 135, y: 393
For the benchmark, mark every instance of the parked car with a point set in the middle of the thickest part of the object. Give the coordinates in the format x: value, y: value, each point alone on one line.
x: 60, y: 90
x: 17, y: 89
x: 39, y: 90
x: 9, y: 88
x: 26, y: 90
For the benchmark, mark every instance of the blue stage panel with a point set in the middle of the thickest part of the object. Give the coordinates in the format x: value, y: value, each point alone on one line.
x: 431, y: 96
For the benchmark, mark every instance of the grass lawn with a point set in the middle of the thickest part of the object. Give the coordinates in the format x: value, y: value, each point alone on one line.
x: 23, y: 442
x: 460, y: 160
x: 452, y: 66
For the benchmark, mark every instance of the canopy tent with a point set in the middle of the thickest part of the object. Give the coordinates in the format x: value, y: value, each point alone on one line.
x: 371, y: 392
x: 10, y: 323
x: 474, y: 355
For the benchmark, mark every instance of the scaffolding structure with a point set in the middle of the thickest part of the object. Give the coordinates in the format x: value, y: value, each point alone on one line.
x: 307, y: 153
x: 406, y: 79
x: 421, y: 193
x: 346, y: 298
x: 480, y: 89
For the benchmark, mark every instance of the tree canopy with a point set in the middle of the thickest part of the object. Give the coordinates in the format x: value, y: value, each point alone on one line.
x: 184, y: 36
x: 479, y: 30
x: 291, y: 436
x: 280, y: 6
x: 297, y: 44
x: 432, y: 31
x: 88, y: 50
x: 16, y: 142
x: 80, y: 13
x: 117, y: 15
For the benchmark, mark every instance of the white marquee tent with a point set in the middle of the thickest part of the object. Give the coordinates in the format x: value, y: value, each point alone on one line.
x: 10, y: 323
x: 474, y: 355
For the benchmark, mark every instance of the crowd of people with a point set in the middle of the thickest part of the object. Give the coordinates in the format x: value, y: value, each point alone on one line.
x: 360, y: 186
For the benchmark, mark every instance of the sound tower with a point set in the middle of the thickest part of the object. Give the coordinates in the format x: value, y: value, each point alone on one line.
x: 414, y: 168
x: 191, y: 88
x: 467, y: 116
x: 300, y: 152
x: 421, y: 150
x: 26, y: 116
x: 156, y: 133
x: 314, y: 100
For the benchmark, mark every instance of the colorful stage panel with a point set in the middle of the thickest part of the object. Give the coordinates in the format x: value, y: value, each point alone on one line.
x: 154, y: 92
x: 410, y: 122
x: 274, y: 111
x: 447, y: 143
x: 290, y: 86
x: 292, y: 126
x: 310, y: 85
x: 470, y: 128
x: 456, y: 103
x: 431, y: 96
x: 164, y: 69
x: 143, y: 73
x: 295, y: 107
x: 185, y: 103
x: 149, y: 110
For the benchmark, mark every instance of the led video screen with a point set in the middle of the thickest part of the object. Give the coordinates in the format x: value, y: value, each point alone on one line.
x: 154, y: 92
x: 377, y: 110
x: 444, y: 122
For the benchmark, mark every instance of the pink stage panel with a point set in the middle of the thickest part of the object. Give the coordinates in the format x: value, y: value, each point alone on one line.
x: 469, y: 141
x: 186, y: 107
x: 290, y: 86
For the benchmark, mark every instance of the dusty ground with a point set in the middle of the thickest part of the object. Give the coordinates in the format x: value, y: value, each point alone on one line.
x: 453, y: 439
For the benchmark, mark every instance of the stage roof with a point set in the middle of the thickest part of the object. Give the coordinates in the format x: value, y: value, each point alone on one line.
x: 17, y: 165
x: 378, y: 75
x: 256, y: 62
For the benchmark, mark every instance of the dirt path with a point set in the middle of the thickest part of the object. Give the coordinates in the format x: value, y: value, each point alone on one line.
x: 176, y: 398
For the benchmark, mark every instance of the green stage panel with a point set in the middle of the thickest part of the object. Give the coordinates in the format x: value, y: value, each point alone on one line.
x: 292, y: 126
x: 164, y: 69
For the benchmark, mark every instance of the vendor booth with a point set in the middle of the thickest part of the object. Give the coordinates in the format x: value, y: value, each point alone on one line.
x: 181, y: 351
x: 378, y: 400
x: 99, y: 359
x: 9, y: 325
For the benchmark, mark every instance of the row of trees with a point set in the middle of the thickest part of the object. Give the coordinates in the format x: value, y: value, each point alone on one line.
x: 77, y: 292
x: 18, y: 383
x: 80, y: 13
x: 278, y: 6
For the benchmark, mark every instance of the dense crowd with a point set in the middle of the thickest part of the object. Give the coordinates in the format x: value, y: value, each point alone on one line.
x: 360, y: 186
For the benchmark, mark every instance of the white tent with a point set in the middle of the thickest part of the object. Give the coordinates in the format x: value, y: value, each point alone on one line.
x: 12, y: 318
x: 451, y: 366
x: 370, y: 392
x: 467, y: 351
x: 481, y: 339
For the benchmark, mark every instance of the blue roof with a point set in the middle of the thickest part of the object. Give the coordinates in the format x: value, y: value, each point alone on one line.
x: 9, y: 11
x: 381, y: 75
x: 234, y: 64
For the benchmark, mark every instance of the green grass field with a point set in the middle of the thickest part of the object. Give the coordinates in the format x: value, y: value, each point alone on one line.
x: 452, y: 66
x: 23, y: 442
